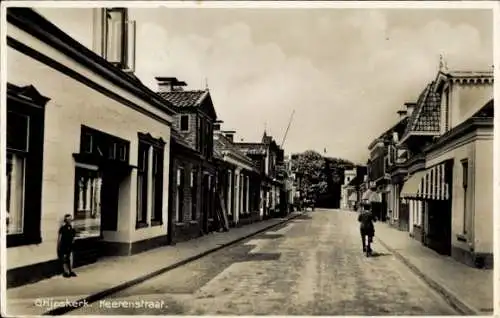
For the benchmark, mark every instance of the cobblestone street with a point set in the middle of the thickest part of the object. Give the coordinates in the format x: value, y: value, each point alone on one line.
x: 310, y: 266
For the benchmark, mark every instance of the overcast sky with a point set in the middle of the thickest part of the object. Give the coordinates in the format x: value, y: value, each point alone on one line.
x: 345, y: 72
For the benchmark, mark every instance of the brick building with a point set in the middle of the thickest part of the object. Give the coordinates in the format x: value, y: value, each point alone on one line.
x: 193, y: 171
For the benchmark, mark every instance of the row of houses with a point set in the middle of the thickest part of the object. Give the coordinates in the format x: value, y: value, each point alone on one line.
x: 136, y: 168
x: 431, y: 173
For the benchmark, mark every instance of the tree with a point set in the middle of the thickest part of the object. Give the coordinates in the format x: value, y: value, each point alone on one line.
x: 319, y: 175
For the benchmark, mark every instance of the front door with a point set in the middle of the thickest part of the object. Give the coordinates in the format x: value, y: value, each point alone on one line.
x: 439, y: 226
x: 205, y: 202
x: 109, y: 201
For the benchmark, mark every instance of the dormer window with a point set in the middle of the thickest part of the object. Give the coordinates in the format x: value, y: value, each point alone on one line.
x: 115, y: 40
x: 184, y: 123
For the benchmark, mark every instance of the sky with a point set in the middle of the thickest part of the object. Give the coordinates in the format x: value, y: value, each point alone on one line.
x: 345, y: 72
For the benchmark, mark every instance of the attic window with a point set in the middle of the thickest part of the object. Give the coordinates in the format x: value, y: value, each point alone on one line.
x: 184, y: 123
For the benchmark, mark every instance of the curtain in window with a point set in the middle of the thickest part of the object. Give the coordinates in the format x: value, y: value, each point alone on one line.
x: 15, y: 193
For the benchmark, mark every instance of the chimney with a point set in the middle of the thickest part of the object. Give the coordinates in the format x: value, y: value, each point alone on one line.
x: 410, y: 107
x: 217, y: 125
x: 229, y: 134
x: 402, y: 113
x: 169, y: 84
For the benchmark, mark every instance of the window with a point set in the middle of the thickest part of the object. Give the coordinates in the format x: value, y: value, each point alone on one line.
x: 194, y: 193
x: 465, y: 177
x: 18, y: 131
x: 15, y: 192
x: 100, y: 144
x: 87, y: 214
x: 184, y: 125
x: 142, y: 183
x: 118, y: 38
x: 157, y: 211
x: 179, y: 196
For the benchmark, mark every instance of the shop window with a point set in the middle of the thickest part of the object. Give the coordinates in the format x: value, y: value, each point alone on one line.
x: 157, y: 211
x: 87, y: 214
x: 184, y: 125
x: 15, y: 192
x: 142, y: 184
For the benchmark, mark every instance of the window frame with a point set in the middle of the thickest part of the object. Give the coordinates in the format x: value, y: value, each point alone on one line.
x: 142, y: 184
x: 181, y: 117
x: 465, y: 184
x: 157, y: 183
x: 179, y: 194
x: 127, y: 41
x: 27, y: 101
x: 194, y: 194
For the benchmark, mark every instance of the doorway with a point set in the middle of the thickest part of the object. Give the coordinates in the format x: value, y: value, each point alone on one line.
x: 438, y: 234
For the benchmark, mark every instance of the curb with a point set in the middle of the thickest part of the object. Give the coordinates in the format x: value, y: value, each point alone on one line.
x: 448, y: 295
x: 100, y: 295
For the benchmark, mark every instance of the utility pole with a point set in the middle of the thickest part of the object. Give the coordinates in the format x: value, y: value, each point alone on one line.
x: 288, y: 127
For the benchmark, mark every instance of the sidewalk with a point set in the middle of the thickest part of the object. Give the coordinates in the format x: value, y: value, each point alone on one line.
x: 469, y: 289
x: 112, y: 274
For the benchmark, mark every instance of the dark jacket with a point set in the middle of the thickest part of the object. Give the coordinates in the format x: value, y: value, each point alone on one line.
x: 366, y: 220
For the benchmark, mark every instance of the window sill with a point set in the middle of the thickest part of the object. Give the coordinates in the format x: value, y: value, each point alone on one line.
x: 193, y: 222
x: 156, y: 223
x: 141, y: 225
x: 462, y: 237
x: 179, y: 223
x: 16, y: 240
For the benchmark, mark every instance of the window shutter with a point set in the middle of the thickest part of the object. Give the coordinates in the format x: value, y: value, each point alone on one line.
x: 131, y: 44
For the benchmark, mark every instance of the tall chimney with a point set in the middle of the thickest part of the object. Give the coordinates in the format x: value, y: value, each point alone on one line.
x: 410, y: 107
x: 229, y: 135
x: 169, y: 84
x: 217, y: 125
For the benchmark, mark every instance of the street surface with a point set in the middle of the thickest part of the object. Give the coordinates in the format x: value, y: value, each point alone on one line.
x: 313, y: 265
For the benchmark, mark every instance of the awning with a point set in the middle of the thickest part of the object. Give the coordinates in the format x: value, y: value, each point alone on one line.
x: 429, y: 184
x: 371, y: 196
x: 413, y: 186
x: 435, y: 186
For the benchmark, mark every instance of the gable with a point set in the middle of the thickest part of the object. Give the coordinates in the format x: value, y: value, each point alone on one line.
x: 208, y: 108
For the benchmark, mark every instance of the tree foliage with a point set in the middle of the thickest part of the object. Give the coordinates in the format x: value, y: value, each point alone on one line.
x: 318, y: 174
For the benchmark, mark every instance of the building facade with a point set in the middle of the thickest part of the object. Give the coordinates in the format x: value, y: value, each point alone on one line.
x: 239, y: 181
x: 449, y: 144
x: 193, y: 188
x: 85, y: 137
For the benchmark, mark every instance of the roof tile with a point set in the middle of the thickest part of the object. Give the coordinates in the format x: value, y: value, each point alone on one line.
x: 184, y: 98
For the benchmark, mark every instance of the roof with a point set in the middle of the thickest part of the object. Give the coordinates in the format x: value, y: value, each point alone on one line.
x: 223, y: 144
x: 487, y: 110
x: 426, y: 116
x: 178, y: 139
x: 184, y: 98
x: 252, y: 148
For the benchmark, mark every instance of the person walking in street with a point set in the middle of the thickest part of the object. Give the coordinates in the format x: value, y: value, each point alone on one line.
x: 366, y: 227
x: 65, y: 240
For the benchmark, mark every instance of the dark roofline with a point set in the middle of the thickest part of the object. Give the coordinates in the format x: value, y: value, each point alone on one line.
x: 39, y: 27
x: 170, y: 80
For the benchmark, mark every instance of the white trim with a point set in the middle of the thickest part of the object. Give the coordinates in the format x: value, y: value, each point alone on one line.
x: 86, y: 166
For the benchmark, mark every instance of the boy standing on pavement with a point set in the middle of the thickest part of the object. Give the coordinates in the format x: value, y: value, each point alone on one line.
x: 65, y: 242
